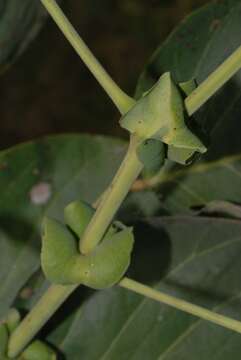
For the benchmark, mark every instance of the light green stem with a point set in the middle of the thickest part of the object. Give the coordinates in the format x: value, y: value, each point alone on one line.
x: 57, y: 294
x: 122, y: 101
x: 182, y: 305
x: 38, y: 316
x: 214, y: 82
x: 112, y: 199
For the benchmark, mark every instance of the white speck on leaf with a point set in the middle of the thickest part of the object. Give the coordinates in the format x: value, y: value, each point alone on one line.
x: 40, y: 193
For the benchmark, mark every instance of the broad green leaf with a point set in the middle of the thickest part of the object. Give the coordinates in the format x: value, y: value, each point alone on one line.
x: 40, y: 178
x: 196, y: 186
x: 20, y: 21
x: 200, y: 43
x: 202, y: 266
x: 197, y: 46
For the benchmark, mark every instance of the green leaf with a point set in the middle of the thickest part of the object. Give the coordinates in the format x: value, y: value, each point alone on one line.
x: 102, y: 268
x: 77, y: 216
x: 20, y: 21
x: 38, y: 351
x: 39, y: 179
x: 202, y: 266
x: 12, y: 319
x: 188, y: 86
x: 152, y: 154
x: 159, y: 114
x: 193, y: 50
x: 189, y: 188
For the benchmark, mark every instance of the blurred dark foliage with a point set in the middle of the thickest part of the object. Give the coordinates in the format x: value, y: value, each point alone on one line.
x: 49, y: 90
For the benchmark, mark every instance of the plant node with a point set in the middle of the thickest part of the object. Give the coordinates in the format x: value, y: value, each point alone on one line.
x: 160, y: 114
x: 63, y: 264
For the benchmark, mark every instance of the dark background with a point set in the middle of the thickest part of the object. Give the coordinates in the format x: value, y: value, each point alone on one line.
x: 49, y: 90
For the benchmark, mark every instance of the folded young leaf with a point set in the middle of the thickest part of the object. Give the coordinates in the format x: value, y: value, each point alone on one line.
x: 159, y: 115
x: 63, y: 264
x: 38, y: 351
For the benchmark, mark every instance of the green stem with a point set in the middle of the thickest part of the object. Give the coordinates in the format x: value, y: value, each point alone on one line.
x: 38, y: 316
x: 57, y: 294
x: 182, y: 305
x: 112, y: 199
x: 122, y: 101
x: 214, y: 82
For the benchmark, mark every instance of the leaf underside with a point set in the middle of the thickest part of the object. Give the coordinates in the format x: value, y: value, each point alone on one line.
x: 18, y: 27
